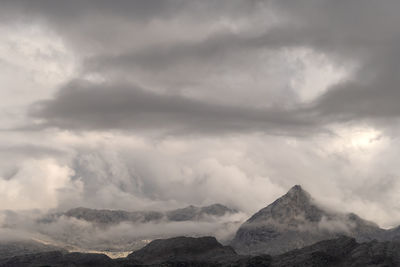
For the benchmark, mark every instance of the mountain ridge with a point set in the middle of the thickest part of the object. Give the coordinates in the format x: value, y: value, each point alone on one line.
x: 109, y: 216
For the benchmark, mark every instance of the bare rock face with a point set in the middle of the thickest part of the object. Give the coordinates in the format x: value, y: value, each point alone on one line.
x: 294, y: 221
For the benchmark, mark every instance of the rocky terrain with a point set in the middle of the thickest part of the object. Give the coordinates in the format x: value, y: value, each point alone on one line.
x: 21, y: 247
x: 206, y: 251
x: 184, y: 249
x: 342, y: 251
x: 295, y: 220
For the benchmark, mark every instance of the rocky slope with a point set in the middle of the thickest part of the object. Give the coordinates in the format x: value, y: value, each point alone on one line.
x: 57, y: 258
x: 294, y: 221
x: 342, y: 251
x: 22, y: 247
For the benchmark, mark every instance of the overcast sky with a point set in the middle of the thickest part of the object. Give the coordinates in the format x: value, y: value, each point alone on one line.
x: 136, y: 104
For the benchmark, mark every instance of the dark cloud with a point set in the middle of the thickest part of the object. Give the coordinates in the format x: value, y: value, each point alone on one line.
x: 92, y: 27
x: 357, y: 101
x: 30, y: 150
x: 366, y: 33
x: 84, y: 105
x: 352, y: 30
x: 65, y: 11
x: 212, y: 49
x: 349, y: 32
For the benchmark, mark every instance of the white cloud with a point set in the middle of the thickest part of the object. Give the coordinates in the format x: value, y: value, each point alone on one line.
x: 37, y: 184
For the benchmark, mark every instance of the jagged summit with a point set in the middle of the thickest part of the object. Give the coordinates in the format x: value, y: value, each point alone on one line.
x: 296, y: 188
x: 298, y: 195
x: 296, y: 205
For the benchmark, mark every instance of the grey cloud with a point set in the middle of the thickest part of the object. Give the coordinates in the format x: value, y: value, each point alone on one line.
x: 212, y: 49
x: 365, y: 32
x: 356, y: 101
x: 30, y: 150
x: 350, y: 31
x: 83, y: 105
x: 92, y: 26
x: 64, y: 11
x: 131, y: 10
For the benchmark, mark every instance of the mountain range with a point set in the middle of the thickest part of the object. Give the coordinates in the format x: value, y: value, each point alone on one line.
x: 108, y: 217
x: 294, y: 230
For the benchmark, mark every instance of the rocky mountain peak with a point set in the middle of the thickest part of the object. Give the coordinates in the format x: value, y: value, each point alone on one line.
x: 298, y: 191
x: 295, y: 220
x: 297, y: 204
x: 296, y: 196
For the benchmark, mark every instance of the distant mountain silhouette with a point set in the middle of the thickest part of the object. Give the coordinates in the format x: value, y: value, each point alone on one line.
x: 189, y: 213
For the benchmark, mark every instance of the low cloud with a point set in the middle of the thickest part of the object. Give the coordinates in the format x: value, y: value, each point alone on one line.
x: 335, y: 225
x: 75, y: 234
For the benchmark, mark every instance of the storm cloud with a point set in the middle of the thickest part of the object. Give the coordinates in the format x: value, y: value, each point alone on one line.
x: 186, y: 65
x: 83, y: 105
x: 115, y: 104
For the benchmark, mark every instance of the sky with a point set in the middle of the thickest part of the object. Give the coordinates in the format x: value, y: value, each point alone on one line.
x: 166, y: 103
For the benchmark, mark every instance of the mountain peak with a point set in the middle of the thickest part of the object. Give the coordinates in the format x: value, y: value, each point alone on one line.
x: 296, y: 188
x: 299, y: 194
x: 296, y: 202
x: 295, y: 220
